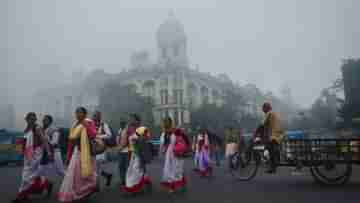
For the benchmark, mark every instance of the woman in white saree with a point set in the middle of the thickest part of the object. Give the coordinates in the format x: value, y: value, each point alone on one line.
x: 136, y: 177
x: 33, y: 181
x: 173, y: 173
x: 80, y: 178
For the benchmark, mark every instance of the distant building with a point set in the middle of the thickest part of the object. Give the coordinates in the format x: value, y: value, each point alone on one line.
x: 175, y: 87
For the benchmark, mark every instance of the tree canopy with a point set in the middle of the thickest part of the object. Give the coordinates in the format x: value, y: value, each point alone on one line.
x: 118, y: 102
x: 218, y: 117
x: 351, y: 81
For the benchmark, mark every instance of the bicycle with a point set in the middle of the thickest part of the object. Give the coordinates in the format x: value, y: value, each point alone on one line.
x: 245, y: 163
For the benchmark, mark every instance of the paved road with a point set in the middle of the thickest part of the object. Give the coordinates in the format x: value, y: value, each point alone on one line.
x: 282, y: 187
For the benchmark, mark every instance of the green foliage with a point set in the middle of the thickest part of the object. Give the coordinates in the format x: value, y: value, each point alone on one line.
x: 118, y: 102
x: 249, y: 121
x: 351, y: 81
x: 217, y: 118
x: 322, y: 114
x: 212, y: 116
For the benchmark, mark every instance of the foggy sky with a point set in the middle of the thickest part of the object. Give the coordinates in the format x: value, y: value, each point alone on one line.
x: 270, y: 43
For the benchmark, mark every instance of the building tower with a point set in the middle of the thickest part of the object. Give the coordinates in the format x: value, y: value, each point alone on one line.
x: 171, y: 41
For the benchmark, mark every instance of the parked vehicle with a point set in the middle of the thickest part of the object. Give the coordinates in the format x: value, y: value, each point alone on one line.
x: 9, y: 151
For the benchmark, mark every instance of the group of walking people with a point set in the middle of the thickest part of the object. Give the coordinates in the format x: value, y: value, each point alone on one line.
x: 85, y: 159
x: 84, y: 162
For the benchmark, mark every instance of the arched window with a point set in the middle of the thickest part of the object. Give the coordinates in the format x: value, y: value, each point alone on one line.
x: 191, y: 93
x: 164, y: 95
x: 178, y: 96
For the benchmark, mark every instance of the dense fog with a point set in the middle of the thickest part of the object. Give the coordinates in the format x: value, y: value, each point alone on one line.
x: 299, y: 44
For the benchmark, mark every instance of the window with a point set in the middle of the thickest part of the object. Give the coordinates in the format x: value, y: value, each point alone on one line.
x: 163, y: 114
x: 176, y: 115
x: 182, y: 117
x: 175, y: 96
x: 191, y: 93
x: 178, y: 96
x: 181, y: 101
x: 164, y: 96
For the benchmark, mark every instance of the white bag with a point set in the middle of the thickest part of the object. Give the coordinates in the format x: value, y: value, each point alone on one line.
x: 231, y: 149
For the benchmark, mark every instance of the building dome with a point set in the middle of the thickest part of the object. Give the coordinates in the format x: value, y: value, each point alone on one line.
x: 170, y: 32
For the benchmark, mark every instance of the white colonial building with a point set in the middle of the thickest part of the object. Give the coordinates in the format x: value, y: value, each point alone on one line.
x: 171, y: 82
x: 175, y: 87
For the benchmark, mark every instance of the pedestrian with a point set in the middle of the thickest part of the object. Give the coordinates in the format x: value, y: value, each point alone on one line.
x: 53, y: 134
x: 174, y: 144
x: 232, y: 140
x: 33, y: 181
x: 103, y: 133
x: 195, y: 149
x: 80, y: 179
x: 137, y: 179
x: 216, y: 143
x: 203, y: 157
x: 123, y: 154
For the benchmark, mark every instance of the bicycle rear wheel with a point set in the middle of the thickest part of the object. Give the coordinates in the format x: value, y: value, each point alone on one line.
x: 245, y: 165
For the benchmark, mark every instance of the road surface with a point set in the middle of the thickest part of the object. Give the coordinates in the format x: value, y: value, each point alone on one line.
x: 279, y: 188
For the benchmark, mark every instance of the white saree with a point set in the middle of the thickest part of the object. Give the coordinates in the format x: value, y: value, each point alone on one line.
x: 173, y: 172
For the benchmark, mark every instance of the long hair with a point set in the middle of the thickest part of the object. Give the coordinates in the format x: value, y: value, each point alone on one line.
x: 81, y: 109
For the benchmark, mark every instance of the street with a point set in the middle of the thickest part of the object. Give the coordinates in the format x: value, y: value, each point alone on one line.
x: 281, y: 187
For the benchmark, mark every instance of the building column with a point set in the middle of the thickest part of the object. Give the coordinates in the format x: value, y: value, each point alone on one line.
x: 171, y: 113
x: 157, y: 94
x: 179, y: 117
x: 187, y: 118
x: 170, y: 89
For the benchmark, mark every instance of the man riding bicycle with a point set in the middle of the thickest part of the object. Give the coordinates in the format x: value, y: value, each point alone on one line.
x: 271, y: 134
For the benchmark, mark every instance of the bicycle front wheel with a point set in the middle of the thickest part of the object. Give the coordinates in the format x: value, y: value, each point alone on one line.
x: 244, y: 165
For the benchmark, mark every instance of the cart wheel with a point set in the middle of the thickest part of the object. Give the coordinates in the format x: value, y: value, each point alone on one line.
x: 315, y: 176
x: 244, y: 165
x: 332, y: 173
x: 319, y: 180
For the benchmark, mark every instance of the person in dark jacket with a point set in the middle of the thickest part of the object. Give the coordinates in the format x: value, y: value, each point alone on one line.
x: 216, y: 143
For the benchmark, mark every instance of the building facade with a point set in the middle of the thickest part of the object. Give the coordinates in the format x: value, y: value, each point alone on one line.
x: 175, y: 87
